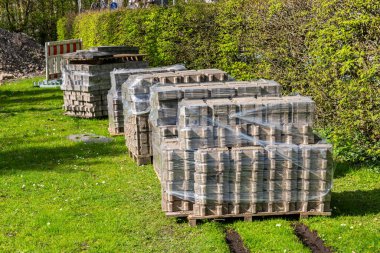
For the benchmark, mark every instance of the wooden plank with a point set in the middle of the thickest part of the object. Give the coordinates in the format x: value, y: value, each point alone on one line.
x: 249, y: 217
x: 263, y: 214
x: 128, y: 55
x: 182, y: 214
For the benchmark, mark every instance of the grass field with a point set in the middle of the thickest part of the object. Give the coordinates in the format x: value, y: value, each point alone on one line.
x: 61, y: 196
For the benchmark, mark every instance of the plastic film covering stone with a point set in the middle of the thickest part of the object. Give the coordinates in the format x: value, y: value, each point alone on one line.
x: 240, y: 155
x: 114, y: 97
x: 136, y: 92
x: 165, y: 99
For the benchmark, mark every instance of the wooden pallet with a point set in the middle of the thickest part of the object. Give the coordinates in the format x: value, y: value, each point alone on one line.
x: 119, y: 134
x: 113, y: 133
x: 141, y: 160
x: 182, y: 214
x: 246, y: 216
x: 130, y: 57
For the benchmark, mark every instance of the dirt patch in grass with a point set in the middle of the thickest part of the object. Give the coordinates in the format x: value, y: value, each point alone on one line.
x: 89, y: 138
x: 310, y: 239
x: 235, y: 243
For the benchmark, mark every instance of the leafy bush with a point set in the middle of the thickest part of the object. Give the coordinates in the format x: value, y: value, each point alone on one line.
x: 327, y: 49
x: 343, y: 74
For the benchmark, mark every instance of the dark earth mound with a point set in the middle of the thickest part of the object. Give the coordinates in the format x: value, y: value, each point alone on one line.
x: 20, y: 56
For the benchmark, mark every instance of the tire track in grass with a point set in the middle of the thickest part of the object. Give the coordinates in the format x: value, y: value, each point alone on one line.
x: 234, y: 241
x: 310, y: 239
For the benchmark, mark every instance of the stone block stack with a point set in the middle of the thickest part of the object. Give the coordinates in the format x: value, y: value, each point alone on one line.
x: 86, y: 78
x: 136, y: 99
x: 114, y: 97
x: 164, y: 115
x: 238, y: 149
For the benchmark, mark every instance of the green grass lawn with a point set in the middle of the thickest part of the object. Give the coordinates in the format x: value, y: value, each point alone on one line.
x: 61, y: 196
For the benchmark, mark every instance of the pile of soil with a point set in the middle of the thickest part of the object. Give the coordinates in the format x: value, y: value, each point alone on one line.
x: 20, y: 56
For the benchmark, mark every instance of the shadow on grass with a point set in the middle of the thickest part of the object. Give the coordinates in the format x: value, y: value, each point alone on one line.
x: 27, y: 93
x: 49, y: 158
x: 10, y: 98
x: 342, y: 169
x: 30, y: 101
x: 13, y: 112
x: 356, y: 203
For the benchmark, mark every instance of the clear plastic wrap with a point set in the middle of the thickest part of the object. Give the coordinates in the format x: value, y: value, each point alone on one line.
x: 136, y: 93
x: 119, y: 76
x: 241, y: 155
x: 114, y: 97
x: 165, y: 98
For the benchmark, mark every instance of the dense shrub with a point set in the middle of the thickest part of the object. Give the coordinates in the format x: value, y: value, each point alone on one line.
x: 327, y: 49
x: 343, y: 74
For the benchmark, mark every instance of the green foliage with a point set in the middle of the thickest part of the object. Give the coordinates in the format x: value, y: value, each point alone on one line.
x: 65, y: 27
x: 327, y: 49
x: 38, y: 18
x: 344, y: 76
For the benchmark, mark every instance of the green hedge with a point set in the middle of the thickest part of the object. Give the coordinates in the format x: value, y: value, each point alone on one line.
x: 327, y: 49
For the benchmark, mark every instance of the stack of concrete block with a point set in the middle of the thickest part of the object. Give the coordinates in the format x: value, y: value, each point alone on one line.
x: 262, y: 179
x: 86, y: 86
x: 178, y: 191
x: 230, y: 156
x: 86, y: 79
x: 137, y: 104
x: 114, y: 97
x: 202, y: 137
x: 245, y: 121
x: 165, y: 99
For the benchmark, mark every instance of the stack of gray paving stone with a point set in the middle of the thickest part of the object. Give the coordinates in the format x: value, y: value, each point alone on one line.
x: 114, y: 97
x: 136, y: 99
x: 86, y: 79
x: 239, y: 155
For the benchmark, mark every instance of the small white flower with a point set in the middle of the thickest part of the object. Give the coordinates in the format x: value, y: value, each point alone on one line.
x: 343, y: 225
x: 103, y: 182
x: 23, y: 186
x: 278, y: 225
x: 352, y: 227
x: 48, y: 223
